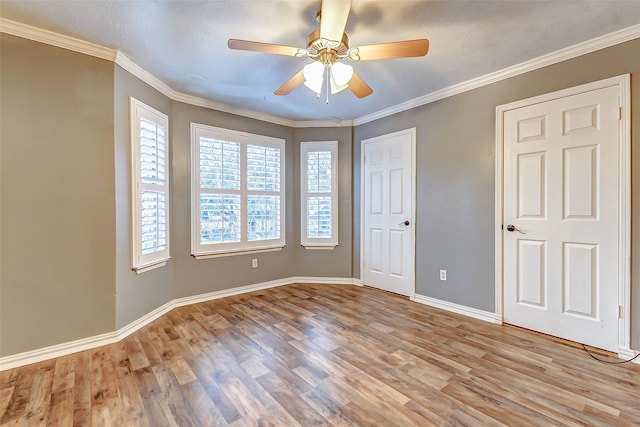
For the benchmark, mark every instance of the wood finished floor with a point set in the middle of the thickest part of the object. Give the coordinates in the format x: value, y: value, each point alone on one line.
x: 322, y: 355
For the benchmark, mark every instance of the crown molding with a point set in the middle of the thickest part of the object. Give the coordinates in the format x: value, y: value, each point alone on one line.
x: 337, y: 123
x: 142, y: 74
x: 81, y: 46
x: 59, y: 40
x: 139, y: 72
x: 226, y: 108
x: 602, y: 42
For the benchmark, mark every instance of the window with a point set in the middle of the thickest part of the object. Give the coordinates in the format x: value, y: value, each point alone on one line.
x: 319, y: 194
x: 237, y: 192
x: 149, y: 187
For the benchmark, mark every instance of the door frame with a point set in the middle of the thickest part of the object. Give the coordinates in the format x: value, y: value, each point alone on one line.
x: 623, y: 83
x: 412, y: 133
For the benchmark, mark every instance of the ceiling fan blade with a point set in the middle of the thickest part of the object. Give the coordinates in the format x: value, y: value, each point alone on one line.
x: 333, y: 19
x: 404, y: 49
x: 265, y: 47
x: 359, y: 87
x: 291, y: 84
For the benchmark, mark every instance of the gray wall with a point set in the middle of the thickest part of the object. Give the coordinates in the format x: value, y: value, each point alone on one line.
x: 191, y: 276
x: 57, y: 221
x: 136, y: 294
x: 336, y: 262
x: 455, y: 174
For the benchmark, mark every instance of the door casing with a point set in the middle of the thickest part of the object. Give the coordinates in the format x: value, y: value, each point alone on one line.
x: 623, y: 84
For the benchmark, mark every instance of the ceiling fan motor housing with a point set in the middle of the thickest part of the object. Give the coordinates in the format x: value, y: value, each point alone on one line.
x: 326, y: 51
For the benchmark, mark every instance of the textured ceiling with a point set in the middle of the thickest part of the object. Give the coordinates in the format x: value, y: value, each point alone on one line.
x: 184, y: 43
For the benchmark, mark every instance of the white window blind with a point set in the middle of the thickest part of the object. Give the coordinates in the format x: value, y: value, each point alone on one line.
x: 237, y: 182
x: 319, y: 194
x: 150, y: 187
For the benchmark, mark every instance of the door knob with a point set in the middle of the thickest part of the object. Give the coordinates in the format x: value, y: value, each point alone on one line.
x: 405, y: 223
x: 513, y: 228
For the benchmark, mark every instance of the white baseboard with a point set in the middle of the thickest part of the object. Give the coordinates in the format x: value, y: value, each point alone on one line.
x: 628, y: 354
x: 457, y: 308
x: 179, y: 302
x: 325, y: 280
x: 127, y: 330
x: 58, y: 350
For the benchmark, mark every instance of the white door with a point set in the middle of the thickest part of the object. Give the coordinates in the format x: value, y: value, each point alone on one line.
x: 387, y: 203
x: 561, y: 217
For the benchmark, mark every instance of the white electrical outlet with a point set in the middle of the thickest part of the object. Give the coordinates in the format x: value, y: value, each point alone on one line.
x: 443, y: 275
x: 254, y: 263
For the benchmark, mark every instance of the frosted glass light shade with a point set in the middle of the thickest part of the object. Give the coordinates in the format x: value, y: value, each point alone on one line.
x: 313, y: 74
x: 340, y: 76
x: 341, y: 73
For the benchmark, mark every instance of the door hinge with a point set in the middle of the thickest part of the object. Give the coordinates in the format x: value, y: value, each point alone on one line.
x: 620, y: 113
x: 620, y: 312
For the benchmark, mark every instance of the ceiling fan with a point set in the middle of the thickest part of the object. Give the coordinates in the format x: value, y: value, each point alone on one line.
x: 329, y: 45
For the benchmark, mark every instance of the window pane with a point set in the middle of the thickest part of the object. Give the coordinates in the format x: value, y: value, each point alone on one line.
x: 219, y: 218
x: 263, y: 217
x: 153, y: 222
x: 263, y: 168
x: 219, y: 164
x: 319, y: 217
x: 152, y: 153
x: 319, y: 172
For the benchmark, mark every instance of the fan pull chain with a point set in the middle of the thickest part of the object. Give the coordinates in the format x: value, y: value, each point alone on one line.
x: 327, y: 72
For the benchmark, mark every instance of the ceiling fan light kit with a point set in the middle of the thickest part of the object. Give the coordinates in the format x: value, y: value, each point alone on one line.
x: 327, y: 46
x: 338, y: 77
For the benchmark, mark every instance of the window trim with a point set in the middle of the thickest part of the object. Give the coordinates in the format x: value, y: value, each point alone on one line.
x: 200, y: 251
x: 305, y: 148
x: 141, y: 263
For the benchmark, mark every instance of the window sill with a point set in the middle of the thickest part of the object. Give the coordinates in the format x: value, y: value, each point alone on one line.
x: 238, y: 252
x: 329, y: 247
x: 144, y: 268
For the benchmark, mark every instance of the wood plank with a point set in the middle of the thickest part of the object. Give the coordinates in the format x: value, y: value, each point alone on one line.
x: 5, y: 397
x: 104, y: 389
x: 40, y: 398
x: 63, y: 376
x: 290, y: 400
x: 20, y: 396
x: 171, y: 393
x: 136, y: 355
x: 82, y: 390
x: 155, y: 410
x: 61, y: 408
x: 130, y: 403
x: 204, y: 410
